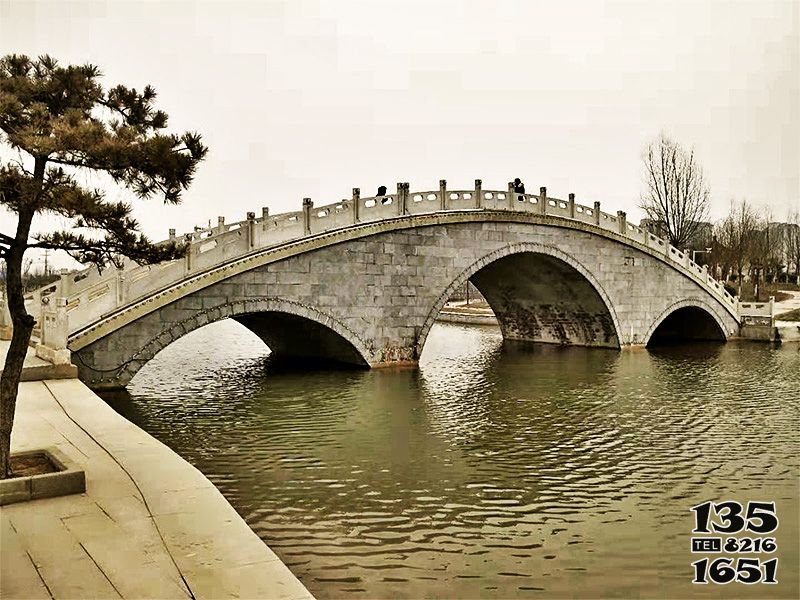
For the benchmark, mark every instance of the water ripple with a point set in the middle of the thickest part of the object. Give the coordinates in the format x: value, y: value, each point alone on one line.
x: 493, y: 470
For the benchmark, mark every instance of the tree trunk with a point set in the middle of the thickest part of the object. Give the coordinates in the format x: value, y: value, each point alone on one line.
x: 758, y: 284
x: 23, y: 326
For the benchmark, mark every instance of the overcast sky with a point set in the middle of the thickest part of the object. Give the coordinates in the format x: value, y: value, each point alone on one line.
x: 306, y: 98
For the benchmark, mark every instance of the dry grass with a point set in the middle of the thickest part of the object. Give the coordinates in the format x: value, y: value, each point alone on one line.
x: 36, y: 464
x: 792, y: 315
x: 767, y: 290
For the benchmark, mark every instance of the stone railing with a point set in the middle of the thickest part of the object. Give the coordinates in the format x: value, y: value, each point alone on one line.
x: 49, y: 337
x: 758, y: 313
x: 90, y: 294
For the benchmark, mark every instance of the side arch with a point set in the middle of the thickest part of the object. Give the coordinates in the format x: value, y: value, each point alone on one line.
x: 512, y: 249
x: 123, y: 373
x: 687, y: 303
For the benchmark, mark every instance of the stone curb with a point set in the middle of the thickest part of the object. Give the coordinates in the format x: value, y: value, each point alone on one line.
x: 69, y: 479
x: 465, y: 318
x: 43, y: 372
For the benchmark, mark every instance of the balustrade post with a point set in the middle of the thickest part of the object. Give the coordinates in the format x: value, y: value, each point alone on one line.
x: 54, y: 326
x: 265, y: 212
x: 64, y: 282
x: 188, y: 258
x: 623, y: 223
x: 251, y: 230
x: 443, y: 194
x: 478, y: 193
x: 121, y: 295
x: 543, y: 200
x: 597, y: 213
x: 307, y: 206
x: 511, y: 195
x: 5, y: 318
x: 401, y: 199
x: 571, y: 206
x: 356, y: 204
x: 220, y: 224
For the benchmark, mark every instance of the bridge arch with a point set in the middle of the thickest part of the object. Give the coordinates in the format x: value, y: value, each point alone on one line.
x: 555, y: 256
x: 693, y: 318
x: 336, y: 341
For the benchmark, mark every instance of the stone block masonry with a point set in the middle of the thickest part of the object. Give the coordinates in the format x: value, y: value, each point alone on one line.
x: 382, y: 292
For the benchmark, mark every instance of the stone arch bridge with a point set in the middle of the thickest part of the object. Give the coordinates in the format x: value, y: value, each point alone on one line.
x: 361, y: 281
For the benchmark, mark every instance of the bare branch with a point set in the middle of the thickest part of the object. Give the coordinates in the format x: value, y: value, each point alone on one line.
x: 676, y: 200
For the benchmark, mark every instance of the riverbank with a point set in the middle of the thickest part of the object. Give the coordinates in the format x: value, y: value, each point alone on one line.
x: 479, y: 313
x: 788, y: 331
x: 149, y: 524
x: 476, y: 313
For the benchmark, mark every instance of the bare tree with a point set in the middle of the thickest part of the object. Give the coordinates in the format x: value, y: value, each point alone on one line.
x: 736, y: 236
x: 792, y: 244
x: 676, y: 199
x: 765, y: 251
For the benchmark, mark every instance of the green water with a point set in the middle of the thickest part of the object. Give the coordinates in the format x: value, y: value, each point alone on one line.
x: 492, y: 471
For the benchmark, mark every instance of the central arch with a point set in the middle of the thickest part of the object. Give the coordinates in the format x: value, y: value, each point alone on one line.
x: 591, y: 321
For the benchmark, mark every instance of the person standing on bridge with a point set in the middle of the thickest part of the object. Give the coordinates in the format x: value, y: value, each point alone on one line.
x: 381, y: 193
x: 519, y: 187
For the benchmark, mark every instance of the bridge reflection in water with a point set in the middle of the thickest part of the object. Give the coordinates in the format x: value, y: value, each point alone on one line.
x: 494, y: 470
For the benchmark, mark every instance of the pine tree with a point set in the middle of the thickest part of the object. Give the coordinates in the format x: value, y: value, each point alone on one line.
x: 60, y: 123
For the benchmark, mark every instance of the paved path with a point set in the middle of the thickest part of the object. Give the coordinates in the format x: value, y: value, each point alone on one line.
x: 150, y: 525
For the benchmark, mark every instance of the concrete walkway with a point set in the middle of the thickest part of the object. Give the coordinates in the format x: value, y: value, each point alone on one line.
x: 150, y: 525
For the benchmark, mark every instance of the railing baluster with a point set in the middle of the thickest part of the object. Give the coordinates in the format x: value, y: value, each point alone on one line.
x: 356, y: 203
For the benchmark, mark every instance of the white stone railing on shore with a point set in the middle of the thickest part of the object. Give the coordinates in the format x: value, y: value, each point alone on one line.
x: 89, y: 295
x: 758, y: 313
